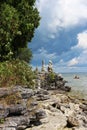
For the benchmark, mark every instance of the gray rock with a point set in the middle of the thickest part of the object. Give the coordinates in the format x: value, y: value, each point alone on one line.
x: 4, y: 112
x: 66, y: 88
x: 16, y: 109
x: 20, y: 120
x: 8, y: 128
x: 42, y: 91
x: 27, y: 93
x: 8, y: 91
x: 42, y: 97
x: 83, y: 107
x: 79, y: 128
x: 21, y: 127
x: 59, y: 84
x: 40, y: 114
x: 5, y: 92
x: 8, y: 125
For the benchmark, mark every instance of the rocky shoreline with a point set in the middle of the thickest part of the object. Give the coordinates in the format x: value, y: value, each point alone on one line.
x: 27, y: 109
x: 47, y: 107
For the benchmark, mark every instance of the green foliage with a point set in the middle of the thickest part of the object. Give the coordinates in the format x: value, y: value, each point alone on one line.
x: 9, y: 24
x: 24, y: 54
x: 18, y: 21
x: 16, y: 72
x: 2, y: 121
x: 51, y: 77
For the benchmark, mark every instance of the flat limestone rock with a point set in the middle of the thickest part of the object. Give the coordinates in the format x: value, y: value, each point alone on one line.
x: 53, y: 121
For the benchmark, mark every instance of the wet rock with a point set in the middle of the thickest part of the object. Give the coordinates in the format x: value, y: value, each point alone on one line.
x: 67, y: 88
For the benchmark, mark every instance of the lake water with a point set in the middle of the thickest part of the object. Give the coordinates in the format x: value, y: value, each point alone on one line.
x: 78, y: 85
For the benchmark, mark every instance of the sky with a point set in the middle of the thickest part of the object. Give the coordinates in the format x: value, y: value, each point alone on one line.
x: 61, y: 36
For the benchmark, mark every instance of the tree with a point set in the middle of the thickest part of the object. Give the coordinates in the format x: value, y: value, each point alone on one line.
x: 25, y: 54
x: 18, y: 21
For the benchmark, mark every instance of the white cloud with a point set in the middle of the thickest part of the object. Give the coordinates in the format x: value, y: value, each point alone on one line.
x: 73, y: 62
x: 82, y: 48
x: 65, y: 69
x: 42, y: 54
x: 82, y: 40
x: 58, y: 14
x: 62, y: 14
x: 70, y: 69
x: 82, y: 59
x: 61, y: 61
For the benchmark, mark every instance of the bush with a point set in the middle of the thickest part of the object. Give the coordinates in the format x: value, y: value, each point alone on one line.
x: 16, y: 72
x: 24, y: 54
x: 51, y: 77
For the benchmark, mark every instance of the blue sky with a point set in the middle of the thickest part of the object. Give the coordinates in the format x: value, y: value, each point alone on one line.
x: 62, y: 35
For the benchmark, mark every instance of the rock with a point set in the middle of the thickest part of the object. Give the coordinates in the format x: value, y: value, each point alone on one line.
x: 83, y: 107
x: 59, y: 84
x: 4, y: 112
x: 53, y: 83
x: 16, y: 109
x: 42, y: 91
x: 67, y: 89
x: 42, y: 95
x: 27, y: 93
x: 8, y: 125
x: 6, y: 91
x: 19, y: 120
x: 34, y: 104
x: 72, y: 121
x: 8, y: 128
x: 41, y: 110
x: 52, y: 121
x: 67, y: 112
x: 79, y: 128
x: 40, y: 114
x: 21, y: 127
x: 85, y: 112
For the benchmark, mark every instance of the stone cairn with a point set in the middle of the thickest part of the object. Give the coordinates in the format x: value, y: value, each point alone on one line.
x: 49, y: 79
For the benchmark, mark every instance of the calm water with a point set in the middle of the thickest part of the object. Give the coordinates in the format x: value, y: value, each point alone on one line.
x: 78, y: 85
